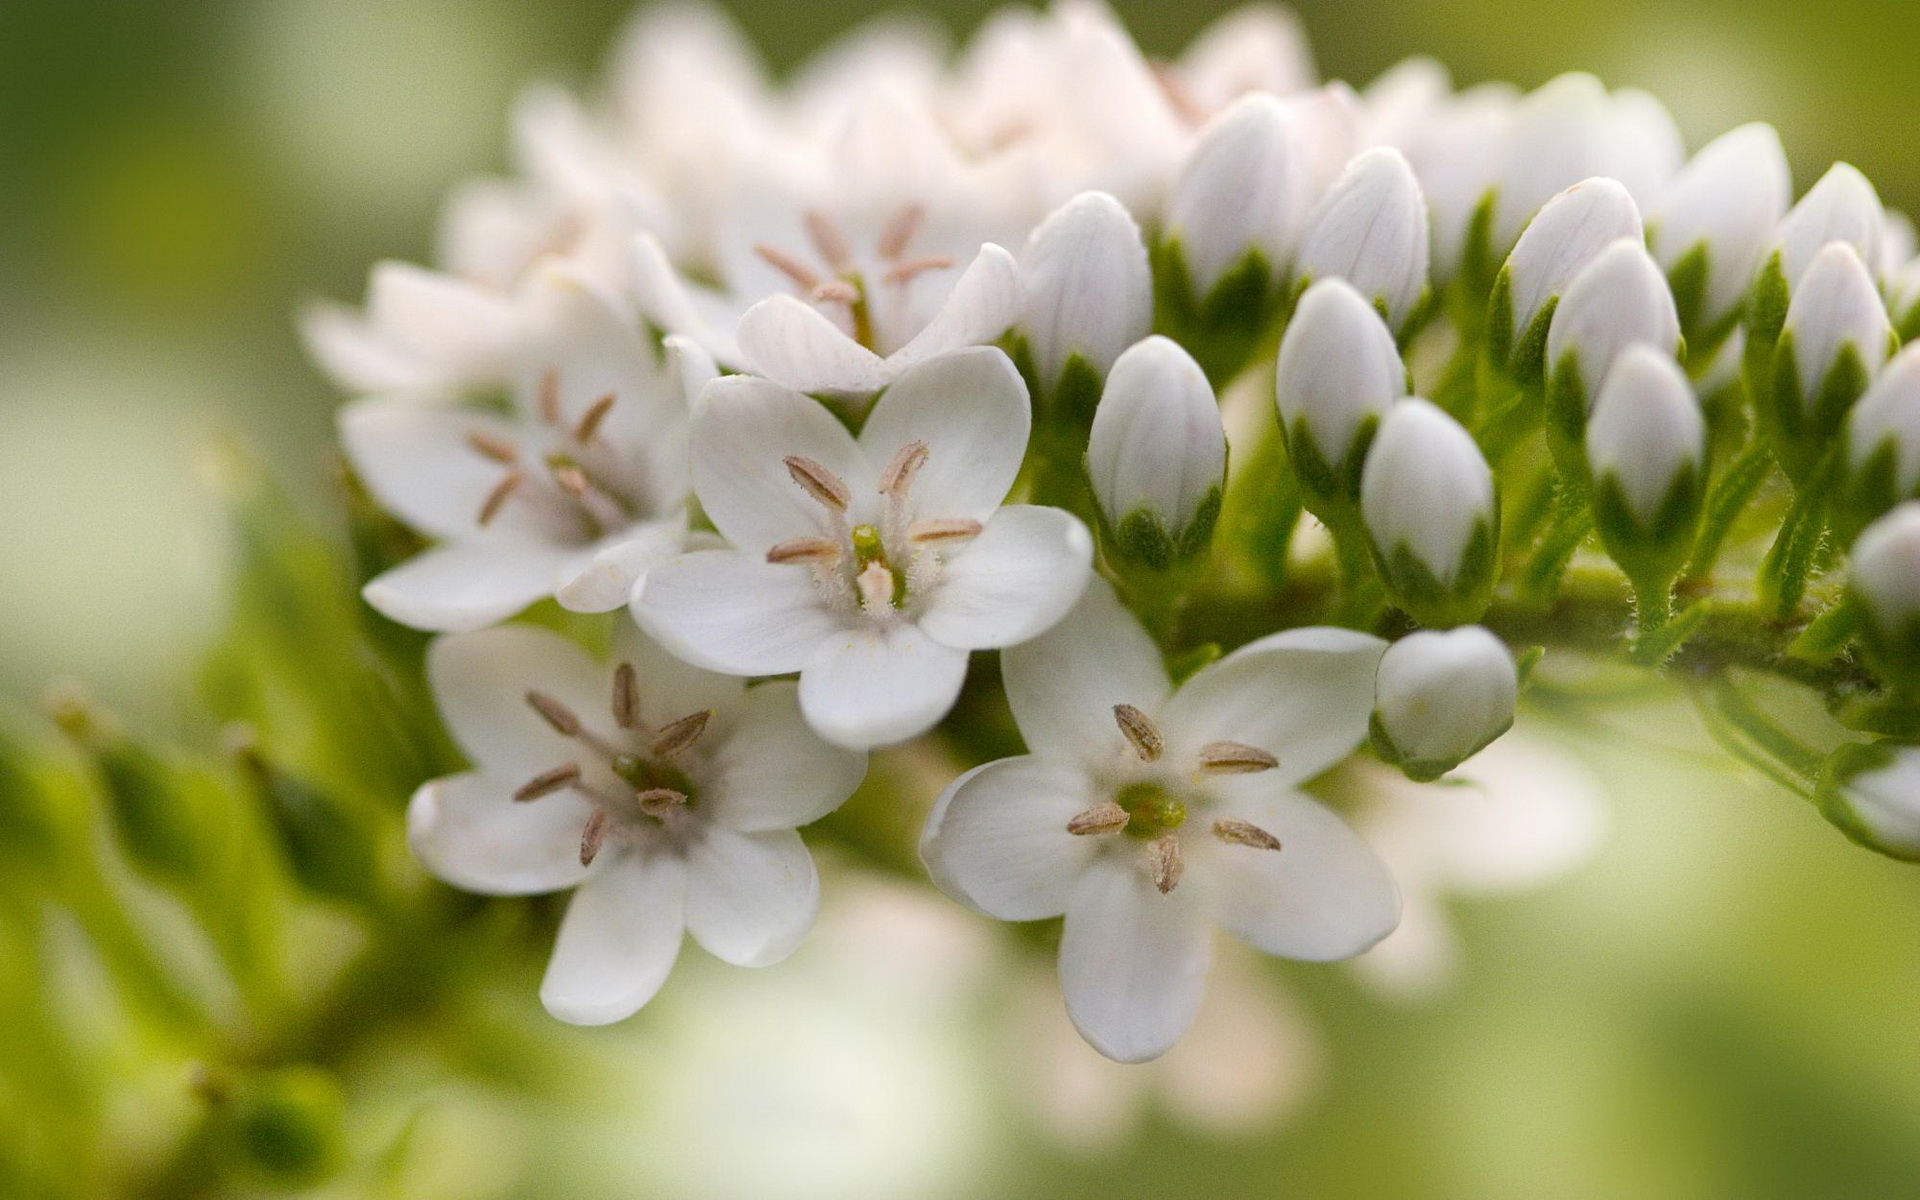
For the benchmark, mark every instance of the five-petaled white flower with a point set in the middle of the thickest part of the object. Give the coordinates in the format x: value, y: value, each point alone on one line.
x: 1145, y: 813
x: 666, y: 796
x: 573, y: 495
x: 871, y: 566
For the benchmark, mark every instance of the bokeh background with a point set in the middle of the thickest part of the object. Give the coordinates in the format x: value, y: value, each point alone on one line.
x: 1723, y: 1004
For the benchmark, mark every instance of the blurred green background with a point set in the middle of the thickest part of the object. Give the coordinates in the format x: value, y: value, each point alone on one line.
x: 1723, y: 1005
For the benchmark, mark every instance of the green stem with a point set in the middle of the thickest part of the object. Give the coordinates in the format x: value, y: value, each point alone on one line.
x: 1731, y: 492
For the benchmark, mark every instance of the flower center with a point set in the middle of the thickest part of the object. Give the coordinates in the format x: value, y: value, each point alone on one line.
x: 843, y: 288
x: 576, y: 485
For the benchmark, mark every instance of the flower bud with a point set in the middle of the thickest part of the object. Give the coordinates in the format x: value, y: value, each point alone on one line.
x: 1239, y: 194
x: 1646, y: 445
x: 1885, y: 582
x: 1618, y: 299
x: 1559, y: 136
x: 1158, y: 455
x: 1871, y: 793
x: 1882, y: 444
x: 1441, y: 697
x: 1089, y: 290
x: 1571, y: 230
x: 1427, y: 496
x: 1842, y: 207
x: 1371, y: 230
x: 1834, y: 341
x: 1453, y: 155
x: 1337, y: 373
x: 1715, y: 219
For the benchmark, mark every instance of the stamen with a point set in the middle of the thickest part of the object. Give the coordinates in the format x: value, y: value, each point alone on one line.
x: 899, y: 232
x: 572, y: 480
x: 1235, y: 758
x: 626, y: 696
x: 594, y: 836
x: 1101, y: 818
x: 912, y: 268
x: 943, y: 532
x: 555, y: 714
x: 1140, y: 732
x: 802, y: 275
x: 656, y: 802
x: 498, y: 497
x: 681, y: 734
x: 1236, y: 832
x: 494, y: 446
x: 805, y: 550
x: 591, y: 419
x: 836, y: 291
x: 549, y: 397
x: 823, y: 485
x: 828, y: 241
x: 546, y: 783
x: 876, y: 586
x: 1165, y: 862
x: 899, y: 475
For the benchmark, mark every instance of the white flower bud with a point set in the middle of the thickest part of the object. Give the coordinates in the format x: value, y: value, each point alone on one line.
x: 1571, y: 230
x: 1842, y: 207
x: 1337, y: 374
x: 1872, y: 793
x: 1645, y: 148
x: 1899, y: 241
x: 1158, y: 455
x: 1619, y: 298
x: 1427, y: 496
x: 1722, y: 208
x: 1089, y: 289
x: 1835, y: 307
x: 1241, y: 190
x: 1885, y: 578
x: 1560, y: 134
x: 1441, y: 697
x: 1371, y: 230
x: 1883, y: 440
x: 1454, y: 156
x: 1646, y: 429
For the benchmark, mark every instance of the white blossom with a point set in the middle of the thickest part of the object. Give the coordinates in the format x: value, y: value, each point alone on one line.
x: 1725, y: 204
x: 1619, y: 299
x: 1426, y: 488
x: 1371, y: 230
x: 1157, y: 446
x: 1441, y: 696
x: 1146, y: 813
x: 1887, y: 417
x: 1885, y: 571
x: 1879, y: 800
x: 422, y: 333
x: 665, y: 796
x: 1089, y: 289
x: 1255, y: 48
x: 1646, y: 429
x: 1453, y: 154
x: 1570, y: 129
x: 1570, y: 232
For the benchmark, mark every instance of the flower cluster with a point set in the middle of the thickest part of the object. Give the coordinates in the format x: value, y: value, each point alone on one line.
x: 831, y: 383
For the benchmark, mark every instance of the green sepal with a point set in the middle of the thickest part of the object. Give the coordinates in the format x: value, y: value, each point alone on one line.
x: 1803, y: 432
x: 1652, y: 551
x: 1420, y: 770
x: 1855, y: 758
x: 329, y: 846
x: 1567, y: 408
x: 1141, y: 538
x: 1329, y: 490
x: 1893, y: 651
x: 1655, y: 643
x: 1528, y: 362
x: 1526, y: 662
x: 1188, y: 663
x: 1433, y: 604
x: 285, y: 1129
x: 1688, y: 283
x: 1766, y: 307
x: 1221, y: 329
x: 1866, y: 490
x: 1478, y: 258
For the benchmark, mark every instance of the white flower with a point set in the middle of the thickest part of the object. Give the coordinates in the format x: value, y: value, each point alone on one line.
x: 870, y: 566
x: 1441, y: 697
x: 1337, y: 374
x: 666, y: 796
x: 422, y: 333
x: 1371, y: 230
x: 1427, y: 496
x: 573, y: 495
x: 1089, y: 289
x: 1875, y: 798
x: 1836, y: 307
x: 1570, y: 232
x: 1618, y: 299
x: 1404, y: 101
x: 1887, y: 420
x: 1885, y: 574
x: 1147, y: 813
x: 1242, y: 190
x: 1724, y: 204
x: 1841, y: 207
x: 1254, y: 48
x: 1158, y: 454
x: 1646, y: 432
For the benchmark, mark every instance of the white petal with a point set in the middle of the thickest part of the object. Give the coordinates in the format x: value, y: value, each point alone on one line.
x: 668, y: 301
x: 733, y: 611
x: 465, y: 585
x: 419, y: 464
x: 357, y: 357
x: 604, y: 579
x: 751, y: 897
x: 1337, y: 366
x: 971, y: 410
x: 870, y: 686
x: 1618, y: 299
x: 1371, y: 229
x: 670, y: 687
x: 793, y: 343
x: 1013, y: 582
x: 470, y: 831
x: 743, y: 431
x: 997, y: 839
x: 1303, y: 696
x: 618, y: 940
x: 984, y: 302
x: 772, y: 771
x: 463, y: 329
x: 1324, y: 895
x: 480, y: 682
x: 1133, y: 963
x: 1063, y: 685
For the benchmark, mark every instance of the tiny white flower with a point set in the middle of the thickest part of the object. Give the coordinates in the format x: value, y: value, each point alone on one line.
x: 573, y: 495
x: 1442, y: 696
x: 1874, y: 796
x: 1089, y: 288
x: 1147, y: 813
x: 1646, y: 429
x: 421, y: 333
x: 1570, y: 232
x: 1725, y: 204
x: 1371, y: 230
x: 1836, y: 307
x: 1885, y: 578
x: 1157, y: 455
x: 665, y: 796
x: 1618, y: 299
x: 1337, y: 373
x: 1427, y: 496
x: 871, y: 566
x: 1887, y: 421
x: 1841, y: 207
x: 1242, y: 190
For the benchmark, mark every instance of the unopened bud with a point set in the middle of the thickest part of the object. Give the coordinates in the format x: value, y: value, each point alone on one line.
x: 1089, y: 289
x: 1427, y: 497
x: 1835, y: 340
x: 1337, y: 374
x: 1618, y: 300
x: 1157, y: 455
x: 1871, y: 792
x: 1882, y: 445
x: 1885, y: 581
x: 1646, y: 446
x: 1440, y: 697
x: 1714, y: 221
x: 1371, y: 230
x: 1239, y: 195
x: 1570, y: 232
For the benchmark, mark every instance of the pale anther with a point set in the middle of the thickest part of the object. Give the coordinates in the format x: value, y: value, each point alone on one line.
x: 497, y: 498
x: 1166, y: 863
x: 1235, y: 758
x: 549, y: 397
x: 657, y: 801
x: 593, y: 837
x: 626, y: 696
x: 898, y: 477
x: 591, y: 419
x: 1236, y: 832
x: 572, y: 480
x: 494, y: 446
x: 912, y: 268
x: 823, y: 485
x: 943, y: 531
x: 1140, y: 732
x: 828, y: 241
x: 898, y: 234
x: 546, y: 783
x: 1101, y: 818
x: 788, y: 265
x: 554, y: 713
x: 681, y: 734
x: 808, y: 549
x: 836, y: 291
